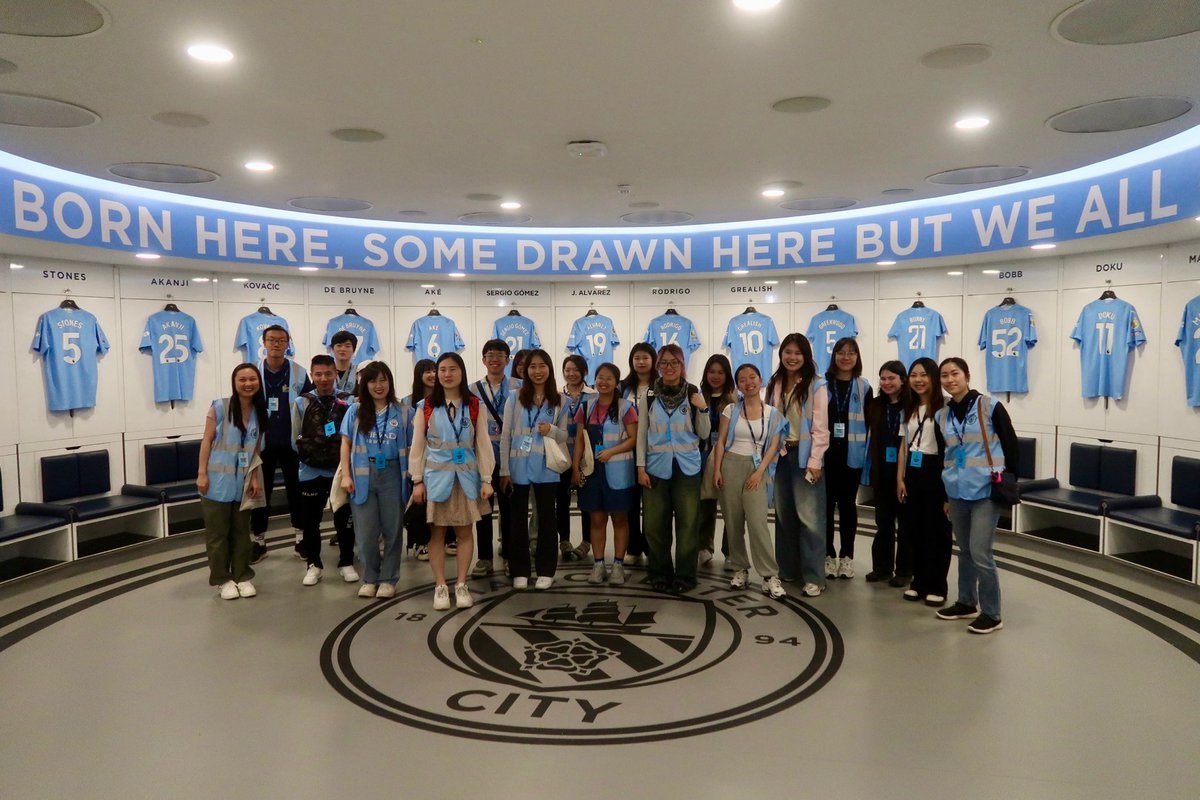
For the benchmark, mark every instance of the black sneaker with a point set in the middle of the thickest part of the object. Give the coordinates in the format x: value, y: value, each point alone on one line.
x: 877, y: 577
x: 985, y: 624
x: 900, y: 581
x: 257, y: 552
x: 958, y: 611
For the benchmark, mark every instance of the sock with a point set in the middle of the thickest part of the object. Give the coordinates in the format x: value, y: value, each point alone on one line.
x: 620, y: 561
x: 598, y: 560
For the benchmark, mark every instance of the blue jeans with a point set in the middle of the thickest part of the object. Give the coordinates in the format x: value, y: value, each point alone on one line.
x: 799, y: 522
x: 380, y: 516
x: 974, y: 523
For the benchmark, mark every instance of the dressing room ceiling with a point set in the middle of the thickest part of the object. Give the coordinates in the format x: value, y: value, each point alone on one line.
x: 438, y: 111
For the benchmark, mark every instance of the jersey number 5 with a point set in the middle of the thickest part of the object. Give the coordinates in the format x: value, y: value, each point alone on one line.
x: 70, y: 348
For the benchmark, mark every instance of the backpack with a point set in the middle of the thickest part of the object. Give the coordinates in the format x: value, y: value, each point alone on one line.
x: 472, y: 404
x: 316, y: 449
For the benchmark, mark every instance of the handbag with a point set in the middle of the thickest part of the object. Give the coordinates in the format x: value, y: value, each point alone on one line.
x: 557, y: 458
x: 250, y: 503
x: 587, y: 462
x: 1004, y: 484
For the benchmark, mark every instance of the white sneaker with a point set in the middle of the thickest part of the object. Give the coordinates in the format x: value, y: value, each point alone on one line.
x: 521, y: 584
x: 845, y: 567
x: 543, y: 582
x: 246, y: 589
x: 229, y: 591
x: 705, y: 557
x: 773, y: 587
x: 462, y: 596
x: 598, y: 574
x: 441, y: 597
x: 617, y: 576
x: 831, y: 567
x: 738, y: 581
x: 349, y: 574
x: 481, y: 569
x: 422, y: 552
x: 811, y: 590
x: 386, y: 590
x: 452, y: 548
x: 366, y: 590
x: 312, y: 576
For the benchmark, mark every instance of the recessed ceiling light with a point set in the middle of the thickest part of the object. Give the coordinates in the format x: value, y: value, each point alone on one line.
x: 200, y: 280
x: 886, y: 263
x: 972, y: 123
x: 1197, y: 219
x: 240, y: 280
x: 511, y: 205
x: 16, y: 266
x: 741, y: 272
x: 458, y: 274
x: 587, y: 148
x: 428, y: 286
x: 1046, y: 246
x: 601, y: 286
x: 755, y: 5
x: 773, y: 193
x: 799, y: 281
x: 954, y: 272
x: 599, y: 276
x: 991, y: 272
x: 259, y: 166
x: 148, y: 256
x: 210, y: 53
x: 308, y: 269
x: 770, y: 283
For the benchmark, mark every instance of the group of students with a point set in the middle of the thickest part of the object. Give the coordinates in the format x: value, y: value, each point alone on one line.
x: 649, y: 452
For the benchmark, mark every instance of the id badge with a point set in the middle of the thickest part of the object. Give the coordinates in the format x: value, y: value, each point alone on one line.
x: 839, y: 431
x: 915, y: 458
x: 891, y: 454
x: 380, y: 461
x: 243, y: 459
x: 572, y: 428
x: 272, y: 404
x: 330, y: 429
x: 757, y: 459
x: 526, y: 443
x: 459, y: 456
x: 960, y: 458
x: 598, y: 449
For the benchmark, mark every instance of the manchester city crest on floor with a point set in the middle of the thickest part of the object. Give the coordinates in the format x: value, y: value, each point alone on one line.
x: 581, y: 664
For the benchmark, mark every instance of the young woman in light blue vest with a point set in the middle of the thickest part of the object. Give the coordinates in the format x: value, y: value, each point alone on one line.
x: 980, y: 446
x: 720, y: 391
x: 611, y: 424
x: 635, y: 384
x: 232, y: 437
x: 796, y: 390
x: 574, y: 392
x: 415, y: 524
x: 745, y: 459
x: 451, y: 463
x: 374, y: 460
x: 672, y: 420
x: 847, y: 393
x: 537, y: 414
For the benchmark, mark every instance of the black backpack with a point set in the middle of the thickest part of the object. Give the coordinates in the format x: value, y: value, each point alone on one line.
x: 316, y: 449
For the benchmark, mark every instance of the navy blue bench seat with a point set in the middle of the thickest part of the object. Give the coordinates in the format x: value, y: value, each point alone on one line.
x: 14, y: 526
x: 1098, y: 476
x: 1148, y: 512
x: 71, y: 482
x: 171, y: 469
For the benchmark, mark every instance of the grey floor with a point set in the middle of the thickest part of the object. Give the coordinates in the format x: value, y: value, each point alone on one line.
x: 125, y: 677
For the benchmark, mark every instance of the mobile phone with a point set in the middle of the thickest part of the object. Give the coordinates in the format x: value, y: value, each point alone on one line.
x: 808, y: 477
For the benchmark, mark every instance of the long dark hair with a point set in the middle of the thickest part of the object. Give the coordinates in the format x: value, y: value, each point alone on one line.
x: 259, y: 401
x: 904, y: 398
x: 631, y: 380
x: 615, y: 405
x: 419, y: 370
x: 520, y: 359
x: 366, y: 403
x: 831, y: 373
x: 936, y: 398
x: 808, y: 372
x: 438, y: 396
x: 728, y: 391
x: 525, y: 396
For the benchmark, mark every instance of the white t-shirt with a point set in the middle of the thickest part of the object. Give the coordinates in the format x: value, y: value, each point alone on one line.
x: 926, y: 439
x: 746, y: 433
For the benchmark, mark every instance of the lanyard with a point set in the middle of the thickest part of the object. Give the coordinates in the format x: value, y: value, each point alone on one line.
x: 328, y: 409
x: 531, y: 415
x: 893, y: 420
x: 269, y: 387
x: 591, y: 419
x: 381, y: 427
x: 762, y: 428
x: 959, y: 431
x: 573, y: 407
x: 497, y: 396
x: 458, y: 423
x: 345, y: 382
x: 916, y: 437
x: 841, y: 405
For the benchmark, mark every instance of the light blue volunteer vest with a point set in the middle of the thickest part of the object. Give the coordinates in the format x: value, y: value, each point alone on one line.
x: 974, y: 480
x: 225, y: 476
x: 442, y: 437
x: 391, y: 423
x: 530, y: 467
x: 618, y: 470
x: 297, y: 377
x: 508, y: 389
x: 670, y: 438
x: 776, y: 423
x: 856, y: 421
x: 570, y: 407
x: 803, y: 446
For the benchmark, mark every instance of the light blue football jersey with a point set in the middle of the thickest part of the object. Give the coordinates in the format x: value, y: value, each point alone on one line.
x: 172, y: 339
x: 68, y: 340
x: 360, y: 326
x: 432, y: 335
x: 1107, y: 330
x: 823, y: 332
x: 673, y: 329
x: 249, y: 336
x: 594, y: 338
x: 1007, y: 334
x: 1188, y: 342
x: 918, y: 332
x: 519, y: 333
x: 751, y: 339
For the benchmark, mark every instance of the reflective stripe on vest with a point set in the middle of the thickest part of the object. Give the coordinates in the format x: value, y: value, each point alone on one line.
x: 225, y: 477
x: 773, y: 427
x: 670, y: 438
x: 530, y: 467
x: 441, y: 439
x: 974, y: 481
x: 618, y: 470
x: 360, y: 452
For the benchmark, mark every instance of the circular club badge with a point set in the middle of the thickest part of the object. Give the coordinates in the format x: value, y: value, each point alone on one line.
x: 583, y: 664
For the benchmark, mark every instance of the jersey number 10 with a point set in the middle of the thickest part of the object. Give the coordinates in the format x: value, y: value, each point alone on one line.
x: 752, y: 342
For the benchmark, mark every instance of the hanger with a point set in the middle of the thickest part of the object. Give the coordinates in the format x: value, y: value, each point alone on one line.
x: 68, y: 303
x: 1108, y: 294
x: 352, y: 311
x: 1008, y: 301
x: 265, y: 310
x: 749, y: 310
x: 514, y: 313
x: 592, y: 313
x: 433, y: 312
x: 672, y: 311
x: 918, y: 304
x: 832, y: 307
x: 171, y: 307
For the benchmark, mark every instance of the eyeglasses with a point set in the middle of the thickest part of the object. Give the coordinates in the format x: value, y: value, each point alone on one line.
x: 668, y: 364
x: 273, y: 340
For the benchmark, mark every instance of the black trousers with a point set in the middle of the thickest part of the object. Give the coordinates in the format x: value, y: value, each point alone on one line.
x: 637, y: 538
x: 891, y: 552
x: 484, y: 547
x: 925, y: 519
x: 314, y: 495
x: 287, y: 460
x: 841, y: 492
x: 547, y: 536
x: 562, y: 508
